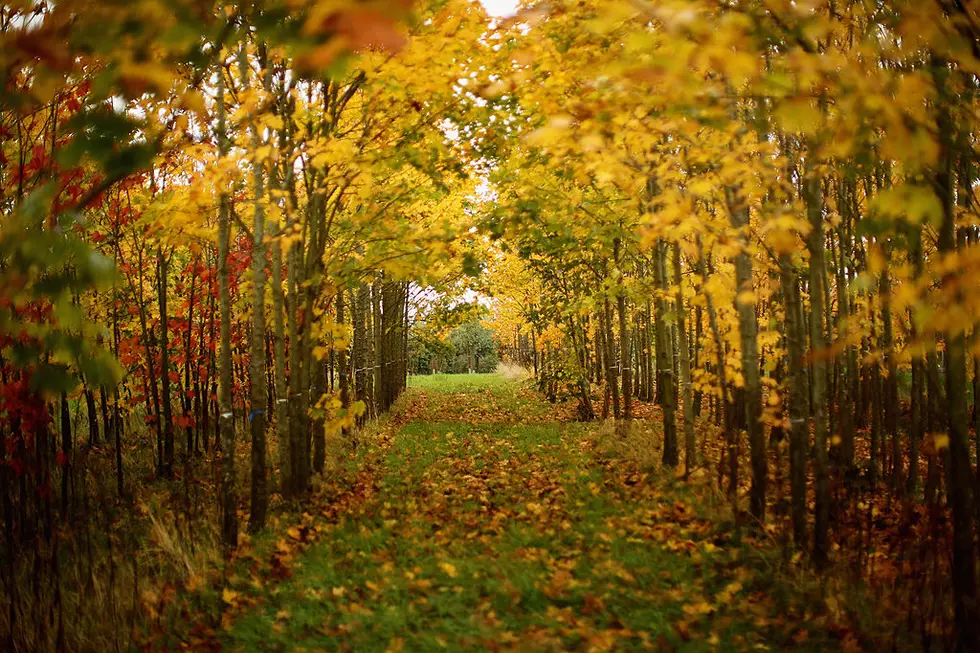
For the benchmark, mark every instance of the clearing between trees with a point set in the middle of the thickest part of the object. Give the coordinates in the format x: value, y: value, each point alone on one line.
x: 479, y: 519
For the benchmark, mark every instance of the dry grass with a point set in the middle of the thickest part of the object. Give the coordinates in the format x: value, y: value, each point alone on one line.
x: 512, y: 371
x: 638, y: 441
x: 113, y: 565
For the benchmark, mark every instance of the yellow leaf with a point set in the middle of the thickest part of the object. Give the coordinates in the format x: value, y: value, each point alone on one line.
x: 138, y: 78
x: 229, y: 596
x: 940, y: 441
x: 396, y: 644
x: 699, y: 608
x: 293, y: 532
x: 798, y: 116
x: 264, y: 153
x: 274, y: 122
x: 320, y: 353
x: 194, y: 581
x: 449, y: 568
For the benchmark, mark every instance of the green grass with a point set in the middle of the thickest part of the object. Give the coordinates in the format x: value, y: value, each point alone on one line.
x: 488, y: 534
x: 458, y: 382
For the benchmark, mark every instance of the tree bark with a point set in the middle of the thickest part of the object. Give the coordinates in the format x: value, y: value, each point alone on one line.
x: 690, y: 449
x: 748, y: 328
x: 229, y: 497
x: 258, y: 398
x: 815, y: 245
x: 798, y: 432
x: 611, y: 358
x: 959, y: 475
x: 665, y: 367
x: 163, y: 267
x: 625, y: 355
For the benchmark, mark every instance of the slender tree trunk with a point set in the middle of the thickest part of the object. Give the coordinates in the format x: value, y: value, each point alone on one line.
x: 342, y: 368
x: 698, y: 339
x: 722, y: 402
x: 611, y: 374
x: 748, y: 328
x: 297, y: 464
x: 625, y: 355
x: 959, y: 475
x: 847, y: 390
x: 359, y: 349
x: 377, y: 322
x: 163, y: 263
x: 147, y: 338
x: 891, y: 382
x: 690, y: 449
x: 935, y: 418
x: 185, y: 395
x: 798, y: 432
x: 93, y: 418
x: 815, y: 244
x: 116, y: 419
x: 916, y: 418
x: 665, y: 371
x: 66, y: 454
x: 229, y: 497
x: 104, y: 400
x: 874, y: 381
x: 599, y: 356
x: 258, y: 398
x: 279, y: 359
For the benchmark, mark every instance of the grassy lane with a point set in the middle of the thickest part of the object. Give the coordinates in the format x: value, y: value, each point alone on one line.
x: 489, y: 526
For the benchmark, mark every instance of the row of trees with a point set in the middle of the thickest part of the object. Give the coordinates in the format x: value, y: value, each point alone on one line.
x: 210, y: 220
x: 764, y: 213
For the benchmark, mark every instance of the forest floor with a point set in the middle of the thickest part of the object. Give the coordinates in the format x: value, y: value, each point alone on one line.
x: 478, y: 518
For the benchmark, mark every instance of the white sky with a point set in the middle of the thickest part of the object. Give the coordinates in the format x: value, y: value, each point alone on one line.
x: 501, y: 7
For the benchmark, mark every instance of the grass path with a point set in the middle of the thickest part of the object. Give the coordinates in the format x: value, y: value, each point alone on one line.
x: 480, y: 523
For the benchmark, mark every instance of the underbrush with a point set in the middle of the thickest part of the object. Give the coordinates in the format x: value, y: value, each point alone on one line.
x: 889, y: 583
x: 110, y: 563
x: 124, y: 572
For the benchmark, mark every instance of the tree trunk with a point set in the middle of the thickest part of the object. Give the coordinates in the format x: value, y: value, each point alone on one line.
x: 279, y: 359
x: 258, y: 398
x: 376, y: 321
x: 891, y: 382
x: 847, y: 390
x: 93, y: 418
x: 229, y: 498
x: 748, y: 328
x: 799, y: 435
x: 665, y: 367
x: 690, y: 450
x: 65, y: 454
x: 359, y: 349
x: 611, y: 359
x: 163, y: 264
x: 625, y: 355
x: 815, y: 244
x: 186, y: 394
x: 722, y: 402
x: 959, y: 475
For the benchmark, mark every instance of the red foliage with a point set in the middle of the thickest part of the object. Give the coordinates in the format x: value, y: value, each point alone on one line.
x: 22, y: 414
